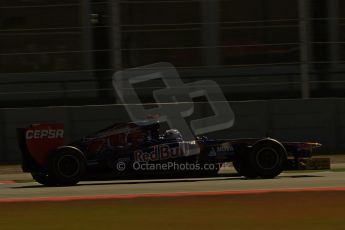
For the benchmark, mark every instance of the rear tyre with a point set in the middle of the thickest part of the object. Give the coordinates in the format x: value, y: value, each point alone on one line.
x: 67, y: 166
x: 268, y: 158
x: 43, y: 178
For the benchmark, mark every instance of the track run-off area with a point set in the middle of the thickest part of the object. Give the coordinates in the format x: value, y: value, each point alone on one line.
x: 224, y: 184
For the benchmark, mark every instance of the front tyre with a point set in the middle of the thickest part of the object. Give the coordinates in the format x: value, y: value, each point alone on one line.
x: 67, y: 166
x: 268, y: 158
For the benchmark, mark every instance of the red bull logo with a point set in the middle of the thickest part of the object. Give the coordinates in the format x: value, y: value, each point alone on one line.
x: 158, y: 153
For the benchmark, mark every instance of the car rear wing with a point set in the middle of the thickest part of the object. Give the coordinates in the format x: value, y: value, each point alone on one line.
x: 37, y: 142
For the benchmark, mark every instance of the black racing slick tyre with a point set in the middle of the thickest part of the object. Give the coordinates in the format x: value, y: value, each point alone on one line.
x: 43, y: 178
x: 268, y: 158
x: 67, y: 166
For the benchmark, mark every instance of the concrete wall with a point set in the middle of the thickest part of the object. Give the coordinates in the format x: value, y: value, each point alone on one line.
x: 321, y: 120
x: 47, y: 86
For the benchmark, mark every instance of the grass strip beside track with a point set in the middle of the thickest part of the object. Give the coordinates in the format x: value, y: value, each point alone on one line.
x: 296, y: 210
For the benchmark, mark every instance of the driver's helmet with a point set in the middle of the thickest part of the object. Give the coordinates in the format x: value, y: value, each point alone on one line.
x: 173, y: 134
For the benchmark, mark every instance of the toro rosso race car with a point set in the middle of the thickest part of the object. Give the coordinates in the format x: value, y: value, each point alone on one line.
x: 129, y: 148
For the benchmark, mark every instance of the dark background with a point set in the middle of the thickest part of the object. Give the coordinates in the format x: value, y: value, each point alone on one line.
x: 64, y: 52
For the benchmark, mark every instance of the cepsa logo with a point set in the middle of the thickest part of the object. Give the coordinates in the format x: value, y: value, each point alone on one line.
x: 159, y: 152
x: 44, y: 133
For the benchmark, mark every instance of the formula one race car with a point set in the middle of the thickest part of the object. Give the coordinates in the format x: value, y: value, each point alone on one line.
x: 129, y: 148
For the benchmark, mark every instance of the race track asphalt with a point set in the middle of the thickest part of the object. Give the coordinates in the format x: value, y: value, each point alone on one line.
x: 222, y: 183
